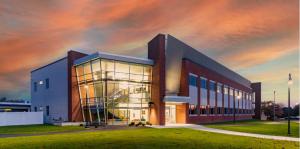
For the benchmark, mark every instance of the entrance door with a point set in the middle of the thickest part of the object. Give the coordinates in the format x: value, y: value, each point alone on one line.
x: 170, y: 114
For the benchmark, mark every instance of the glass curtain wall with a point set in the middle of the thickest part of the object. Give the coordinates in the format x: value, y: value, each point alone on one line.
x: 219, y: 98
x: 212, y: 97
x: 231, y: 100
x: 114, y: 92
x: 193, y: 92
x: 203, y: 93
x: 226, y: 108
x: 236, y: 101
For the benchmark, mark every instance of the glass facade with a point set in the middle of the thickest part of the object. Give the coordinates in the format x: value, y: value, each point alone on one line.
x: 193, y: 93
x: 203, y: 97
x: 212, y: 96
x: 114, y: 92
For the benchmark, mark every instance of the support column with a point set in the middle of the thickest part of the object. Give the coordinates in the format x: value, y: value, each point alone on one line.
x: 156, y: 52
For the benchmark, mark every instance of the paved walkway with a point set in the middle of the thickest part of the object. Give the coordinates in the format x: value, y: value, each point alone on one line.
x: 203, y: 128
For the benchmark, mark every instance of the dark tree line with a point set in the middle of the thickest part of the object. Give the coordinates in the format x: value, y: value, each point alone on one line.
x: 280, y: 110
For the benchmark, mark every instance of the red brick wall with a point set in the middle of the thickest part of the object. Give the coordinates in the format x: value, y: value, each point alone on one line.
x: 257, y: 89
x: 74, y: 110
x: 191, y: 67
x: 216, y: 118
x: 156, y: 52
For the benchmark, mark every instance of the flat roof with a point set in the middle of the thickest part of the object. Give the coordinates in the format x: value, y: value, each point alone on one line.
x: 188, y: 52
x: 48, y: 64
x: 109, y: 56
x: 14, y: 104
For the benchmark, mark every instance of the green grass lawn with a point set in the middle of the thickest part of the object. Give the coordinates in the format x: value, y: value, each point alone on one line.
x: 259, y: 127
x: 36, y: 129
x: 143, y: 138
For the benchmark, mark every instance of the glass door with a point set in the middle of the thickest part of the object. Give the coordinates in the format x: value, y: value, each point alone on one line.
x: 170, y: 114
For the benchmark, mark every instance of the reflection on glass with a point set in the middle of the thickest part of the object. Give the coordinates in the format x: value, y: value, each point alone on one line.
x: 118, y: 91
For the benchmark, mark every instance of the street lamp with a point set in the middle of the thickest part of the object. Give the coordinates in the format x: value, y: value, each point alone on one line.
x: 86, y: 103
x: 290, y: 82
x: 274, y: 107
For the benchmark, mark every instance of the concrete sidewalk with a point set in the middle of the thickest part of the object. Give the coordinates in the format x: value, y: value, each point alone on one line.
x: 203, y: 128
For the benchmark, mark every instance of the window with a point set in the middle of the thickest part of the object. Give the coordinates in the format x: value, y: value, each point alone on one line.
x: 192, y: 80
x: 35, y: 109
x: 219, y: 95
x: 231, y: 91
x: 225, y: 90
x: 212, y: 111
x: 212, y: 86
x: 35, y: 86
x: 47, y: 110
x: 212, y: 95
x: 219, y: 88
x: 47, y: 83
x: 203, y: 83
x: 203, y: 110
x: 87, y: 71
x: 80, y: 74
x: 192, y: 109
x: 219, y: 110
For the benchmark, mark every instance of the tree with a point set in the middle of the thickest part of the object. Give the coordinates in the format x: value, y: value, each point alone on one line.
x: 3, y: 99
x: 296, y: 110
x: 268, y: 109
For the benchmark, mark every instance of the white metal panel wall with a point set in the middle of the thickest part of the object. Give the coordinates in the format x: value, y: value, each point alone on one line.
x: 20, y: 118
x: 56, y: 96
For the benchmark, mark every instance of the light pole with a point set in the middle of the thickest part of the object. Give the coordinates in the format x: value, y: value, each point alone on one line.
x: 290, y: 82
x: 86, y: 103
x: 274, y: 107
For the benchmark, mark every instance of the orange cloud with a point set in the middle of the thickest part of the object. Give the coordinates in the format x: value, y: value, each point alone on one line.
x: 239, y: 34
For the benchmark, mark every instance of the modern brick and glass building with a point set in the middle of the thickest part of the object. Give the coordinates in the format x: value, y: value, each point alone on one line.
x: 175, y: 84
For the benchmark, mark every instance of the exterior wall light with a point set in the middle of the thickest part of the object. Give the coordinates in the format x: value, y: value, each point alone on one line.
x: 150, y: 104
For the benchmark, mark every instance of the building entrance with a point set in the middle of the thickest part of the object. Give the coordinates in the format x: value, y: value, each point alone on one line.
x: 170, y: 114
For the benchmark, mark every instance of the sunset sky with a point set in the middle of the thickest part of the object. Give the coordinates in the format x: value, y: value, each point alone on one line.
x: 256, y: 38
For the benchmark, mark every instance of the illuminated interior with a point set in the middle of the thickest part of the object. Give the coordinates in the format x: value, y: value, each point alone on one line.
x: 114, y: 92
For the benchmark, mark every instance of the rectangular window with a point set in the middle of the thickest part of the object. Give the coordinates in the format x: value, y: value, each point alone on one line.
x: 203, y: 83
x: 96, y: 69
x: 80, y: 74
x: 212, y: 86
x: 231, y: 91
x: 219, y: 95
x: 192, y: 80
x: 47, y: 83
x: 219, y: 88
x: 225, y: 90
x: 35, y: 109
x: 203, y: 110
x: 87, y: 71
x: 212, y: 111
x: 219, y: 110
x: 193, y: 109
x: 47, y: 110
x: 35, y: 86
x: 212, y: 94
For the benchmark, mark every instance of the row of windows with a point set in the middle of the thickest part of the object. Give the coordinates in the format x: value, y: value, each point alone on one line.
x: 205, y: 111
x: 213, y: 86
x: 242, y: 99
x: 47, y: 84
